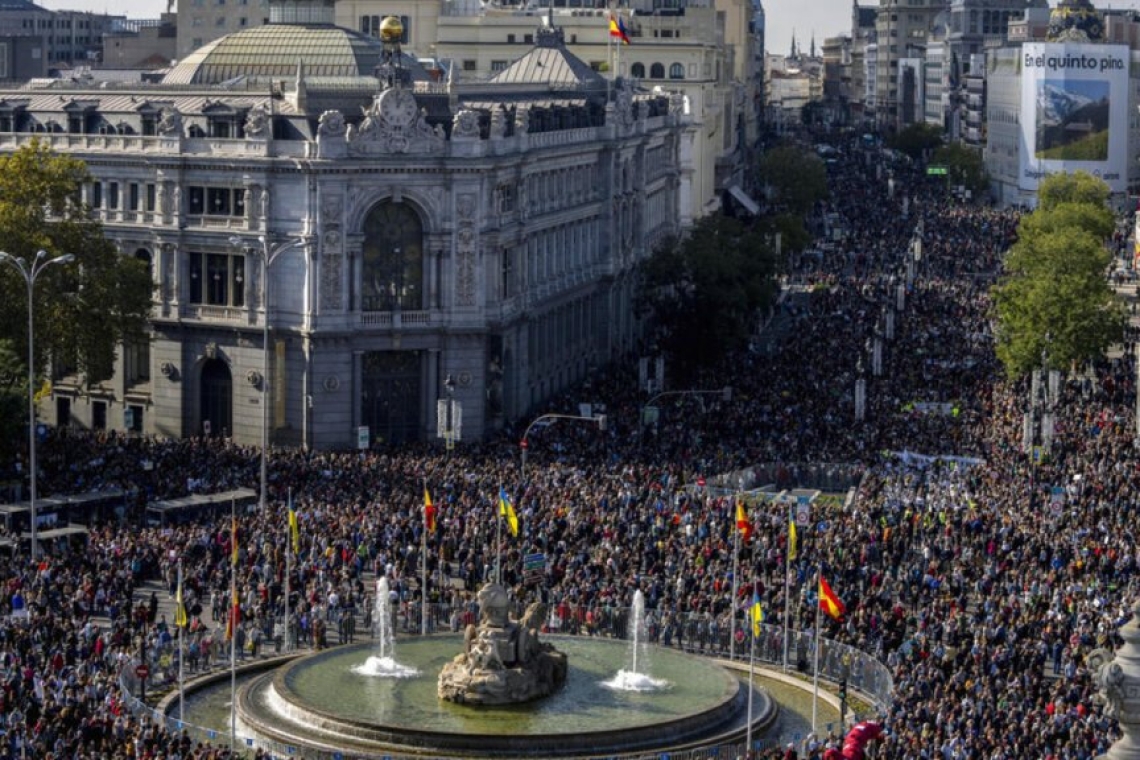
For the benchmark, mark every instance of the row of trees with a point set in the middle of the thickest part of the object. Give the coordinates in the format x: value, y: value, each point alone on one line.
x: 1054, y: 305
x: 702, y: 293
x: 82, y: 310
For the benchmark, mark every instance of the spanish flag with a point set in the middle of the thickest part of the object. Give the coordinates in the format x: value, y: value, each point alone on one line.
x: 507, y: 510
x: 294, y: 530
x: 234, y: 541
x: 234, y: 618
x: 829, y: 602
x: 743, y: 524
x: 617, y: 29
x: 180, y: 618
x: 429, y: 512
x: 757, y: 615
x: 792, y: 539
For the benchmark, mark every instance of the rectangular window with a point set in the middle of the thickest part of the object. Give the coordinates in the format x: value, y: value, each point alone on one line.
x: 133, y: 196
x: 96, y: 195
x: 218, y: 200
x: 497, y: 66
x: 99, y: 415
x: 113, y: 195
x: 150, y: 196
x: 469, y: 65
x: 134, y: 419
x: 197, y: 205
x: 217, y: 279
x: 406, y: 21
x: 510, y: 39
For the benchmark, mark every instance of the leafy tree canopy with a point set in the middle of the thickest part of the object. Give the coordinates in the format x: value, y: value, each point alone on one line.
x: 916, y: 139
x: 797, y: 177
x: 965, y: 167
x: 702, y: 293
x: 1078, y: 187
x: 1055, y: 300
x: 83, y: 309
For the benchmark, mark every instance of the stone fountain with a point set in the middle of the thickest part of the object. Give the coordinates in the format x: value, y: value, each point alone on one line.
x: 503, y: 661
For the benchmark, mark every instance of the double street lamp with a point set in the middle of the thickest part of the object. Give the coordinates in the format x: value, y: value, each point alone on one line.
x: 30, y: 273
x: 268, y: 254
x: 597, y: 419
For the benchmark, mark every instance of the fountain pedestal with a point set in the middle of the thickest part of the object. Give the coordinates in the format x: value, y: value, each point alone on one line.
x: 503, y: 661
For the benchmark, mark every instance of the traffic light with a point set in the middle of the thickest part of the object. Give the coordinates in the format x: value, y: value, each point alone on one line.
x: 843, y: 690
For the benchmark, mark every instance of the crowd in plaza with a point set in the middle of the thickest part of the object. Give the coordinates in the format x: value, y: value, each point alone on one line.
x: 984, y: 582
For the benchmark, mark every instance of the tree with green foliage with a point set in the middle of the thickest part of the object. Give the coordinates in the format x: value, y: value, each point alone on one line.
x: 965, y: 167
x: 1054, y: 300
x: 797, y: 177
x: 701, y: 293
x: 83, y: 310
x: 916, y: 139
x: 1078, y: 187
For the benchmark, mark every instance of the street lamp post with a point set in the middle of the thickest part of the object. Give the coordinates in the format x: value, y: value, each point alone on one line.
x: 598, y: 419
x: 268, y: 255
x: 725, y: 394
x: 30, y: 273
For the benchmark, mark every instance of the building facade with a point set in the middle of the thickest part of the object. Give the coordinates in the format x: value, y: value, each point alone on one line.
x: 426, y: 241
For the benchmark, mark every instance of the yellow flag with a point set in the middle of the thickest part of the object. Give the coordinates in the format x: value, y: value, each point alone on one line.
x: 792, y: 549
x: 180, y: 618
x: 757, y: 615
x: 507, y: 510
x: 294, y: 530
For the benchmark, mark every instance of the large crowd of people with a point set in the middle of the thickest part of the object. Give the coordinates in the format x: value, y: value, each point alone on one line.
x: 982, y: 580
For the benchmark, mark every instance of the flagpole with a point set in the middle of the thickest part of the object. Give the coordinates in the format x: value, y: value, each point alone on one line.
x: 815, y: 667
x: 233, y: 626
x: 288, y: 563
x: 787, y: 590
x: 498, y: 539
x: 751, y: 674
x: 423, y: 572
x: 181, y: 652
x: 735, y: 580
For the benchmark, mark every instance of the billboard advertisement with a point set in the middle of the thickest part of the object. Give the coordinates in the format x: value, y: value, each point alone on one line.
x: 1074, y: 112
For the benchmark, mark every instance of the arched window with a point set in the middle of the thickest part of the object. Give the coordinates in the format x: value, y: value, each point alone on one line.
x: 393, y: 268
x: 657, y: 71
x: 637, y: 70
x: 676, y: 71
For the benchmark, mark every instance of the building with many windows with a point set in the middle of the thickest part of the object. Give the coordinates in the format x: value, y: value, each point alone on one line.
x: 427, y: 239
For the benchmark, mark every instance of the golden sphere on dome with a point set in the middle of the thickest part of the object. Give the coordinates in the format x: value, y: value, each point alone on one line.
x: 391, y: 30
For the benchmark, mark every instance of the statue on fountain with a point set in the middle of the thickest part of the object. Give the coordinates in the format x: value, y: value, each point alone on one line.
x: 503, y: 661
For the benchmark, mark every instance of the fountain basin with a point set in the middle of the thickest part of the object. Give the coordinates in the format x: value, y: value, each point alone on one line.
x: 318, y: 701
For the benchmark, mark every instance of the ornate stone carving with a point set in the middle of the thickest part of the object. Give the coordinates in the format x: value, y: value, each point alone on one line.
x: 498, y: 123
x: 257, y: 123
x: 465, y: 125
x: 522, y: 120
x: 169, y: 123
x: 331, y: 207
x: 624, y: 104
x: 331, y: 265
x: 253, y: 377
x: 394, y: 123
x: 331, y: 124
x: 465, y: 244
x: 503, y: 662
x: 1118, y: 681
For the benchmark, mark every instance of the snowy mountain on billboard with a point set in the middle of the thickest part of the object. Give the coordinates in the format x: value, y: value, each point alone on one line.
x: 1056, y: 104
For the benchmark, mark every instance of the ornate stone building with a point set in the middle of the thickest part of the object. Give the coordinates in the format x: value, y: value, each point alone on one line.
x: 417, y: 232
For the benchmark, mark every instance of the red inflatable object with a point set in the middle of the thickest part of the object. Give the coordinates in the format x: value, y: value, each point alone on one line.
x: 855, y: 745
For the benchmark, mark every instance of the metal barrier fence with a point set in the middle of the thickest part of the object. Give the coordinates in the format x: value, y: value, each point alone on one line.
x: 830, y: 477
x: 701, y: 636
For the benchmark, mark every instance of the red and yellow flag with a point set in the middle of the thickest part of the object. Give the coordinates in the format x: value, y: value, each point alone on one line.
x: 233, y: 541
x: 829, y: 602
x: 429, y: 512
x: 233, y: 619
x: 743, y: 524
